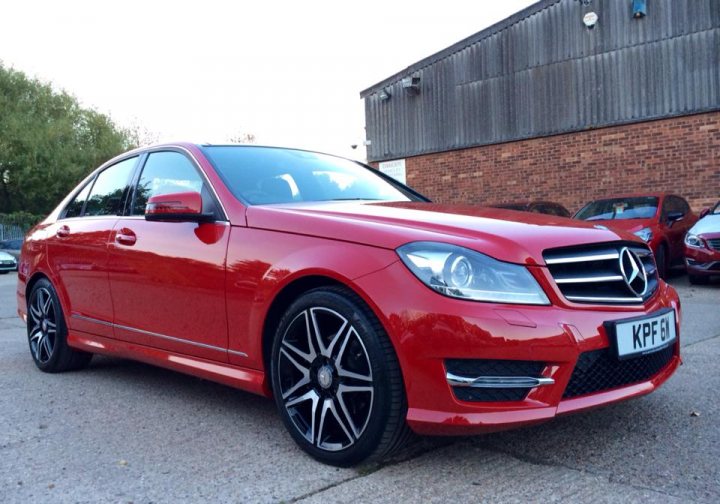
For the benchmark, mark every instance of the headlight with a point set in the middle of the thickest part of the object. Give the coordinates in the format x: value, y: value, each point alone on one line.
x: 463, y: 273
x: 693, y: 241
x: 645, y: 234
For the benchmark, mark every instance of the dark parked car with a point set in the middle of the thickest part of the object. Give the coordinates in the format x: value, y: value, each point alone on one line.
x: 660, y: 220
x: 702, y: 247
x: 543, y: 207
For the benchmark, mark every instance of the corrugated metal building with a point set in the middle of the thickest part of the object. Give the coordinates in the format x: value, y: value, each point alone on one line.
x: 543, y: 73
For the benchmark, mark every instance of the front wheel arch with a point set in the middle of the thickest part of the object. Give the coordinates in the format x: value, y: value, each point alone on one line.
x: 282, y: 301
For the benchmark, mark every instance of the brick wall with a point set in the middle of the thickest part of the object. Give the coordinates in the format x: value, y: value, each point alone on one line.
x: 681, y: 155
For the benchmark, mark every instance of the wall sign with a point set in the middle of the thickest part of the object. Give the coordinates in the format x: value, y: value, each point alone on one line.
x: 396, y: 169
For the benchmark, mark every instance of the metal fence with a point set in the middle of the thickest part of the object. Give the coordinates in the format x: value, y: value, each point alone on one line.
x: 14, y: 227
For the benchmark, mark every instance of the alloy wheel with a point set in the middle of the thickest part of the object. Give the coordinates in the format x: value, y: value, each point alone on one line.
x: 43, y: 328
x: 325, y: 377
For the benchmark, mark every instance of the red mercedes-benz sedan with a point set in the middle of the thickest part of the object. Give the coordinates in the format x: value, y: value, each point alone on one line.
x: 363, y: 309
x: 661, y: 220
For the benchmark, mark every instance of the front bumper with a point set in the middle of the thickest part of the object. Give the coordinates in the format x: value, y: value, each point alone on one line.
x: 702, y: 261
x: 8, y: 267
x: 427, y: 329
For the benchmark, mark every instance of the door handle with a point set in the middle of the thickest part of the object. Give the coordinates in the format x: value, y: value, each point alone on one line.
x: 62, y: 232
x: 125, y: 236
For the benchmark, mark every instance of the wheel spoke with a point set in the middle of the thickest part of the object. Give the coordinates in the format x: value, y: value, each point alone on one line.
x: 47, y: 304
x: 308, y: 396
x: 355, y: 376
x: 308, y: 334
x: 315, y: 332
x: 347, y: 389
x: 329, y: 405
x: 307, y: 357
x: 337, y: 337
x: 35, y: 335
x: 47, y: 346
x: 39, y: 347
x: 326, y: 351
x: 305, y: 380
x: 35, y: 313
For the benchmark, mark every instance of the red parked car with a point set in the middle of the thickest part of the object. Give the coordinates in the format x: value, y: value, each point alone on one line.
x: 543, y: 207
x: 661, y: 220
x: 702, y: 247
x: 363, y: 309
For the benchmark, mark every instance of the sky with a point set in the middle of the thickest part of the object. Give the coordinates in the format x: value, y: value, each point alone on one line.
x: 288, y: 72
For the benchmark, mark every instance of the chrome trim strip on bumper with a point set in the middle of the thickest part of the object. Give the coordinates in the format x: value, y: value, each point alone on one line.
x: 157, y: 335
x: 497, y: 381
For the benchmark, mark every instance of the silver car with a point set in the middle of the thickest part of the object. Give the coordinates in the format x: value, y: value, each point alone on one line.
x: 7, y: 263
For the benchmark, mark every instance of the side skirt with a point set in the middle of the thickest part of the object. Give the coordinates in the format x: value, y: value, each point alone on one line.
x: 250, y: 380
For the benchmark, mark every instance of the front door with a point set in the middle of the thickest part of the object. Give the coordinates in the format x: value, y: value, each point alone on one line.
x: 167, y: 279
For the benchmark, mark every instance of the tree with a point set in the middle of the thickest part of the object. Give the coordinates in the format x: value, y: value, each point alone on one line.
x: 243, y: 138
x: 48, y: 143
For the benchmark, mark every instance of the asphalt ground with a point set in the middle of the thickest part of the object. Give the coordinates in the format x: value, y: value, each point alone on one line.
x: 121, y: 431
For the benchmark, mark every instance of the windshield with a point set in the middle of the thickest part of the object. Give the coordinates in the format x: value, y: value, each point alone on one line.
x: 643, y: 207
x: 266, y: 175
x: 716, y: 210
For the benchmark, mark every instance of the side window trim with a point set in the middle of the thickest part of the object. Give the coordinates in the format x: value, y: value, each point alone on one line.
x: 134, y: 181
x: 88, y: 185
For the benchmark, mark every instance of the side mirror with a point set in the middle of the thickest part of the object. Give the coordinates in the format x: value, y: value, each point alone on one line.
x: 673, y: 217
x: 182, y: 206
x: 704, y: 212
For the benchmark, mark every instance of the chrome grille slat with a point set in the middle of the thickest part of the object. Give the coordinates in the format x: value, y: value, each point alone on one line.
x: 582, y: 258
x: 714, y: 243
x: 590, y: 279
x: 593, y: 274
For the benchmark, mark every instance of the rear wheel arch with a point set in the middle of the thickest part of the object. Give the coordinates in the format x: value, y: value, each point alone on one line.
x: 37, y: 276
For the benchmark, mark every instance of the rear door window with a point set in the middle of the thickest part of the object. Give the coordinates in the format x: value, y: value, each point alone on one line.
x: 108, y: 194
x: 75, y: 207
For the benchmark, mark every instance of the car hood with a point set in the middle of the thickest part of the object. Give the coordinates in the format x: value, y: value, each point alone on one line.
x: 508, y: 235
x: 708, y: 224
x: 4, y: 256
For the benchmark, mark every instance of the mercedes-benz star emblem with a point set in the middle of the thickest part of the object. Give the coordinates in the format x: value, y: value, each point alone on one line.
x: 633, y: 272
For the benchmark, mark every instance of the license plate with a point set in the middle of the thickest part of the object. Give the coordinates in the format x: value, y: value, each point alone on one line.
x: 643, y: 335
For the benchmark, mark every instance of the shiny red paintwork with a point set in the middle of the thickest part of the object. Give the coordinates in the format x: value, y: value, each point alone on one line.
x: 196, y: 297
x: 667, y: 234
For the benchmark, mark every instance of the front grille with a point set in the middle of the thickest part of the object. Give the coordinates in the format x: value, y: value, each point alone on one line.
x: 487, y: 367
x: 597, y: 273
x: 714, y: 243
x: 600, y: 370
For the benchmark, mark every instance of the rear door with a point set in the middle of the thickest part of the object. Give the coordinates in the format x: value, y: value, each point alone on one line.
x: 168, y: 278
x: 77, y: 249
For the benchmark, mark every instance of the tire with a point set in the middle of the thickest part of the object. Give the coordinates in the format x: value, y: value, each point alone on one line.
x: 47, y: 332
x: 698, y: 279
x: 661, y: 261
x: 339, y: 389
